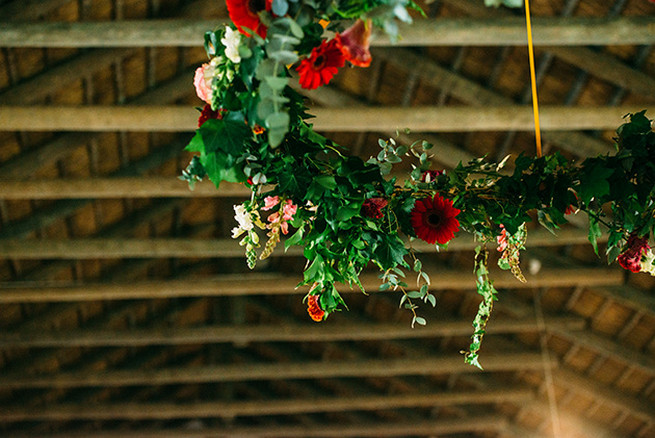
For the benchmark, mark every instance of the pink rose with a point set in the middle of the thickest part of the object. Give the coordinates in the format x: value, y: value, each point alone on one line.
x: 203, y: 82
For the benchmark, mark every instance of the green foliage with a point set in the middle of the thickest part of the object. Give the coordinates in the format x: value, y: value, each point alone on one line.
x: 263, y: 136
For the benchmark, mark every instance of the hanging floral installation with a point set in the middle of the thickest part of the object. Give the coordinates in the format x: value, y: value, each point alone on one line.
x: 347, y: 213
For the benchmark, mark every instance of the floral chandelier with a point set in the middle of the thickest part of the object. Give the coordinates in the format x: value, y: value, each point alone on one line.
x: 347, y: 213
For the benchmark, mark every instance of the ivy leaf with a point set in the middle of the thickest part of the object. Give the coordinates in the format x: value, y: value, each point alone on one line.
x: 196, y: 144
x: 594, y: 181
x: 224, y: 135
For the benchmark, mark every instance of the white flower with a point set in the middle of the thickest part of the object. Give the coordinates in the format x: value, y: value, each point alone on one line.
x: 231, y: 42
x: 242, y: 216
x: 647, y: 262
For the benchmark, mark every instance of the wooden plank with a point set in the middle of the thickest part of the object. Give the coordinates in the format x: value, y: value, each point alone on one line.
x: 473, y: 93
x: 597, y: 63
x: 165, y: 411
x: 381, y: 119
x: 608, y: 347
x: 103, y: 248
x: 276, y: 284
x: 639, y: 407
x: 439, y: 32
x: 313, y: 430
x: 277, y: 371
x: 25, y: 10
x: 269, y: 333
x: 58, y: 76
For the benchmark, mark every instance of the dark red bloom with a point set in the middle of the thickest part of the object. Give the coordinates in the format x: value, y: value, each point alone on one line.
x: 208, y: 113
x: 434, y: 220
x: 314, y: 308
x: 323, y: 63
x: 373, y: 207
x: 630, y: 258
x: 245, y: 14
x: 433, y: 175
x: 354, y: 43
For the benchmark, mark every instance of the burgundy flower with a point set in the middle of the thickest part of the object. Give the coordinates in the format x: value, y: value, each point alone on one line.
x: 314, y: 308
x: 208, y: 113
x: 630, y: 258
x: 323, y: 63
x: 354, y: 43
x: 245, y: 14
x: 373, y: 207
x: 432, y: 174
x: 434, y: 220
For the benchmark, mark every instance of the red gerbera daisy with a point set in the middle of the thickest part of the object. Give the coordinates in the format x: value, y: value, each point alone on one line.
x: 245, y: 14
x: 434, y: 219
x: 323, y: 63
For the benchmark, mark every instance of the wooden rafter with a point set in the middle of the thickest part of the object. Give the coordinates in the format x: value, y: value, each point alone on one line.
x: 276, y: 371
x: 151, y: 411
x: 277, y: 284
x: 270, y: 333
x: 101, y: 248
x: 378, y: 429
x: 418, y: 119
x: 450, y: 32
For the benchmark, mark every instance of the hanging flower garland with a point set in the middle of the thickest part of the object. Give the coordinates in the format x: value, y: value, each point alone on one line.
x: 348, y: 213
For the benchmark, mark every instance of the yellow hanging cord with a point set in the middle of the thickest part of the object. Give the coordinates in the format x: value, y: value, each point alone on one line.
x: 533, y: 79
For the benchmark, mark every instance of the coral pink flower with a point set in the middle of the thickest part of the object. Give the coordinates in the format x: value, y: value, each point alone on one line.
x: 203, y: 82
x: 270, y: 202
x: 434, y: 220
x: 245, y: 14
x: 289, y: 210
x: 354, y: 43
x: 373, y: 207
x: 630, y: 258
x: 314, y: 308
x: 323, y: 63
x: 502, y: 239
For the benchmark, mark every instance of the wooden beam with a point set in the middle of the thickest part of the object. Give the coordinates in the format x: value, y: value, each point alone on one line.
x: 419, y: 119
x: 277, y: 284
x: 269, y: 333
x: 103, y: 248
x: 125, y: 187
x: 378, y: 429
x: 626, y: 30
x: 276, y: 371
x: 226, y: 409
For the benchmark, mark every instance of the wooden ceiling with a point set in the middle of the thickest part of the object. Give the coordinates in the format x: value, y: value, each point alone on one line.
x: 127, y: 311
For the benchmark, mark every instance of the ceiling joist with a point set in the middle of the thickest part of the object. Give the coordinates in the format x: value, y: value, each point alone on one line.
x: 277, y: 371
x: 278, y: 284
x: 451, y: 32
x: 271, y: 333
x: 380, y: 119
